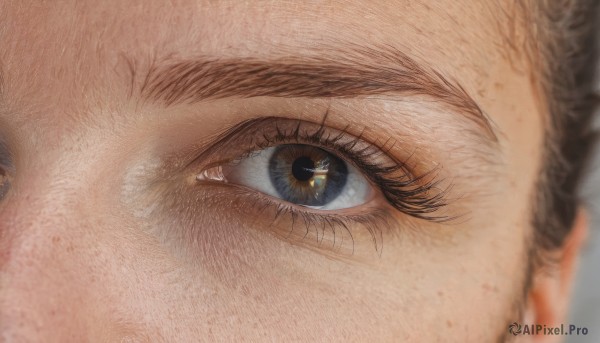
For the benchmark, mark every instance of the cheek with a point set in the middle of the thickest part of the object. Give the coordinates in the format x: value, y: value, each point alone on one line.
x: 125, y: 276
x: 467, y: 287
x: 481, y: 286
x: 414, y: 291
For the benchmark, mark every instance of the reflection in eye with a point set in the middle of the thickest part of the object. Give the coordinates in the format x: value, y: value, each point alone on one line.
x: 302, y: 175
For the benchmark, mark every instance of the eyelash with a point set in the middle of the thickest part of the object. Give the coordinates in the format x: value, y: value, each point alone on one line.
x: 415, y: 195
x: 403, y: 191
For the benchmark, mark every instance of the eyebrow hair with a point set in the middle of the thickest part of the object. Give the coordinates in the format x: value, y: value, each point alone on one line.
x: 334, y: 73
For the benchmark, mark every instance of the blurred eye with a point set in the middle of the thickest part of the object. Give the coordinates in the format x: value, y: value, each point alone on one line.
x: 3, y: 182
x: 5, y: 168
x: 303, y: 175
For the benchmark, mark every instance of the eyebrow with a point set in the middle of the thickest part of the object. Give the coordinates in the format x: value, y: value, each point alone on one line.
x: 333, y: 73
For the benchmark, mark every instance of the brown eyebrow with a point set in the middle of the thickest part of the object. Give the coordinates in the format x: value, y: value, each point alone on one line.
x: 335, y: 73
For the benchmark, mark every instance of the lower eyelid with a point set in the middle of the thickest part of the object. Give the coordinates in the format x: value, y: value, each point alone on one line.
x: 343, y: 234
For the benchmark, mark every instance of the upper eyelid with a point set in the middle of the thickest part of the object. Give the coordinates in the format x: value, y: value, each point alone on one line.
x: 243, y: 130
x: 240, y: 131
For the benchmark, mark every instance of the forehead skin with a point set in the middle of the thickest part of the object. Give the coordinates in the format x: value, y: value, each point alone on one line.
x: 72, y: 261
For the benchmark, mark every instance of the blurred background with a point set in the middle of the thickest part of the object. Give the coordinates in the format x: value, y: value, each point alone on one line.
x: 585, y: 310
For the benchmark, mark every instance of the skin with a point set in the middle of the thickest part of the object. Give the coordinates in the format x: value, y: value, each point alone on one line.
x: 94, y: 248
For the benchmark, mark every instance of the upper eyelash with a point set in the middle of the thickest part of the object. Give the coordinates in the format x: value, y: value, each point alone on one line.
x: 405, y: 192
x: 416, y: 195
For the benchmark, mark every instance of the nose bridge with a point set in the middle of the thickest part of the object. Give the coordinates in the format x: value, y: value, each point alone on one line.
x: 28, y: 220
x: 50, y: 187
x: 40, y: 229
x: 41, y: 206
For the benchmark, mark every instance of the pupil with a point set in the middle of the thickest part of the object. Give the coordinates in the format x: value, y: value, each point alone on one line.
x: 302, y: 168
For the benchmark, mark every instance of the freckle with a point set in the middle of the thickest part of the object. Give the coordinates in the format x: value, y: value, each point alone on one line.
x: 440, y: 294
x: 55, y: 239
x: 498, y: 85
x: 449, y: 323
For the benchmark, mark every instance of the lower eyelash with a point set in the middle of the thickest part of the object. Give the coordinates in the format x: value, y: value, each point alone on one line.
x: 371, y: 222
x: 296, y: 224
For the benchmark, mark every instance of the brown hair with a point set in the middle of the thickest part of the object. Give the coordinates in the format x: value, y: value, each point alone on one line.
x: 563, y: 41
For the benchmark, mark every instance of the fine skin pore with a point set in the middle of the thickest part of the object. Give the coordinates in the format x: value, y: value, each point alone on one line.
x: 107, y: 234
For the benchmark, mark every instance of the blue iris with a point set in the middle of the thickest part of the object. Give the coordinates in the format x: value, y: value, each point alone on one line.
x: 307, y: 175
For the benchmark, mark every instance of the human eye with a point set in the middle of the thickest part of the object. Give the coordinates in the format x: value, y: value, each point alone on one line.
x: 320, y: 175
x: 3, y: 182
x: 5, y: 168
x: 300, y: 174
